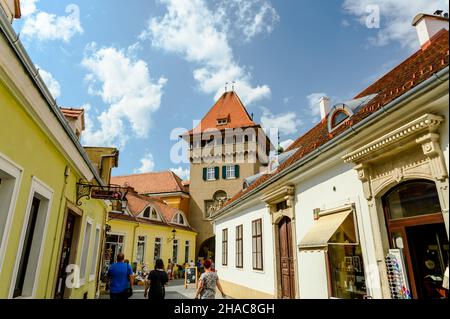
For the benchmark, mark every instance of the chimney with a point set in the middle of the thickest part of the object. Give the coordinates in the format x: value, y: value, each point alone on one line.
x: 427, y: 25
x: 324, y: 103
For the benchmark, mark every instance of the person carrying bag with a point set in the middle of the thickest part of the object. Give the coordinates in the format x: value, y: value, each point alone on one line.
x: 120, y: 275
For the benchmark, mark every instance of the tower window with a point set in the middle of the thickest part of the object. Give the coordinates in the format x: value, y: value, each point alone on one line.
x: 222, y: 121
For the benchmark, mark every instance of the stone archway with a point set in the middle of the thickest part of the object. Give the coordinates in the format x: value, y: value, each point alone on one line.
x: 207, y: 248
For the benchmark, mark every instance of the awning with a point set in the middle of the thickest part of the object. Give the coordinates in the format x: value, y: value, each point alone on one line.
x: 323, y: 229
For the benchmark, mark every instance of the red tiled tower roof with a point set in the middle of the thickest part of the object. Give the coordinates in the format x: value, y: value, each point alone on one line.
x: 229, y: 107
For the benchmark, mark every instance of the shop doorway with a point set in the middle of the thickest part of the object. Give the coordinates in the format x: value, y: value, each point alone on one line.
x: 286, y: 261
x: 416, y: 226
x: 67, y: 254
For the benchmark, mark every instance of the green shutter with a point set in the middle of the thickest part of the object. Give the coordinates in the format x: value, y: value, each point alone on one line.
x: 224, y: 172
x: 204, y: 173
x: 236, y: 171
x: 216, y: 172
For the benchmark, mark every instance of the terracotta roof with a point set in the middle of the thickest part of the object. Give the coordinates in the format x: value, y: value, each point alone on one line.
x: 229, y: 107
x: 137, y: 203
x: 414, y: 70
x: 152, y: 183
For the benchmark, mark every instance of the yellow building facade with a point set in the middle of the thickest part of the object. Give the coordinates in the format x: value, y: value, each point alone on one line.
x: 148, y: 230
x: 43, y: 228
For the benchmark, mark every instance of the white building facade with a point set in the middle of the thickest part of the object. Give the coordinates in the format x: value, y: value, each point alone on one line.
x: 374, y: 193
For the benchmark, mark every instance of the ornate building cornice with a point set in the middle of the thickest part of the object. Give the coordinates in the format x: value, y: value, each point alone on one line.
x: 426, y: 123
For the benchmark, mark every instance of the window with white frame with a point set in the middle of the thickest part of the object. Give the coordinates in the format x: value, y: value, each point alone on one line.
x: 85, y: 251
x: 175, y: 251
x: 140, y: 254
x: 157, y: 250
x: 9, y: 186
x: 230, y: 171
x: 29, y: 254
x: 210, y: 174
x: 94, y: 258
x: 178, y: 219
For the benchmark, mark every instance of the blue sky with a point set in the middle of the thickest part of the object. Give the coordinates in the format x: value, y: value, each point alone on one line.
x: 143, y: 68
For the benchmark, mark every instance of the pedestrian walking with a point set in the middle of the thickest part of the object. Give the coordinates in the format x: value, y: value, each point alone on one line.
x: 208, y: 282
x: 120, y: 276
x: 170, y: 269
x: 156, y: 280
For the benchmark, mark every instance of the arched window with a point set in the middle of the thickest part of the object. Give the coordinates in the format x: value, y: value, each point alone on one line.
x: 339, y: 117
x: 412, y: 198
x: 150, y: 213
x: 178, y: 219
x: 147, y: 212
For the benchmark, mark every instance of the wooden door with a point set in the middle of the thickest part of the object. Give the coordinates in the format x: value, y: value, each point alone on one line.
x: 287, y: 273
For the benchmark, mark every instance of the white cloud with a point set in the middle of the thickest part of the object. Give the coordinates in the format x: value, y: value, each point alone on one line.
x: 313, y: 104
x: 396, y: 18
x: 286, y: 143
x: 123, y: 83
x: 52, y: 84
x: 200, y: 36
x: 27, y: 7
x: 247, y: 17
x: 286, y: 123
x: 147, y: 164
x: 181, y: 172
x: 44, y: 26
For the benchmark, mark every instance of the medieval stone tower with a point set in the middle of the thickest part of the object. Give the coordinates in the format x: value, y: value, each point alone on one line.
x: 225, y: 147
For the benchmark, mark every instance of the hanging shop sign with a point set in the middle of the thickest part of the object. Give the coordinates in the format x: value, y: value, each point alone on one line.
x: 109, y: 192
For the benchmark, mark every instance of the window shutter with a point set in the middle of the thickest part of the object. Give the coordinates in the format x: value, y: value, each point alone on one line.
x: 224, y: 172
x: 216, y: 172
x: 236, y: 171
x: 204, y: 173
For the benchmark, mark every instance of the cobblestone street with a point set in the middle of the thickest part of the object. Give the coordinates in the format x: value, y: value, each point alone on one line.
x: 174, y: 290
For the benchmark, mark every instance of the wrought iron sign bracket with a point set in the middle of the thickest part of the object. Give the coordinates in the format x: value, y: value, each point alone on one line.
x: 108, y: 192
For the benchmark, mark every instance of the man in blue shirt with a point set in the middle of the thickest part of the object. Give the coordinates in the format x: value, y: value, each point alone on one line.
x: 121, y: 279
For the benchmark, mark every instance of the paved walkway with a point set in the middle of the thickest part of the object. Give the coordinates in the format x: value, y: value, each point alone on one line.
x: 174, y: 290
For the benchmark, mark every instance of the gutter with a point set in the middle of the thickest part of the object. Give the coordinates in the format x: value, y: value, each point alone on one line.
x: 23, y: 56
x: 428, y: 84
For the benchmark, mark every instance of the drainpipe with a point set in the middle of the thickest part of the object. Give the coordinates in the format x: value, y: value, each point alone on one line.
x: 55, y: 238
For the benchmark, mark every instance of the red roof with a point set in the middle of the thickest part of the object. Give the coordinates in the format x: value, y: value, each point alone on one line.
x: 137, y: 203
x: 152, y: 183
x: 414, y: 70
x: 229, y: 107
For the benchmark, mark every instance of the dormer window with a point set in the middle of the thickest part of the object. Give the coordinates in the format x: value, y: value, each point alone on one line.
x: 150, y: 213
x: 222, y: 121
x: 338, y: 118
x: 178, y: 219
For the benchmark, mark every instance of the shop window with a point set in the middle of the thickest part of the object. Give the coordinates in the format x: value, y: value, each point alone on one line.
x: 186, y: 251
x: 411, y: 199
x: 157, y: 249
x: 30, y: 254
x: 140, y: 254
x: 85, y: 251
x: 175, y: 251
x: 95, y: 254
x: 336, y: 234
x: 9, y: 182
x: 114, y: 245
